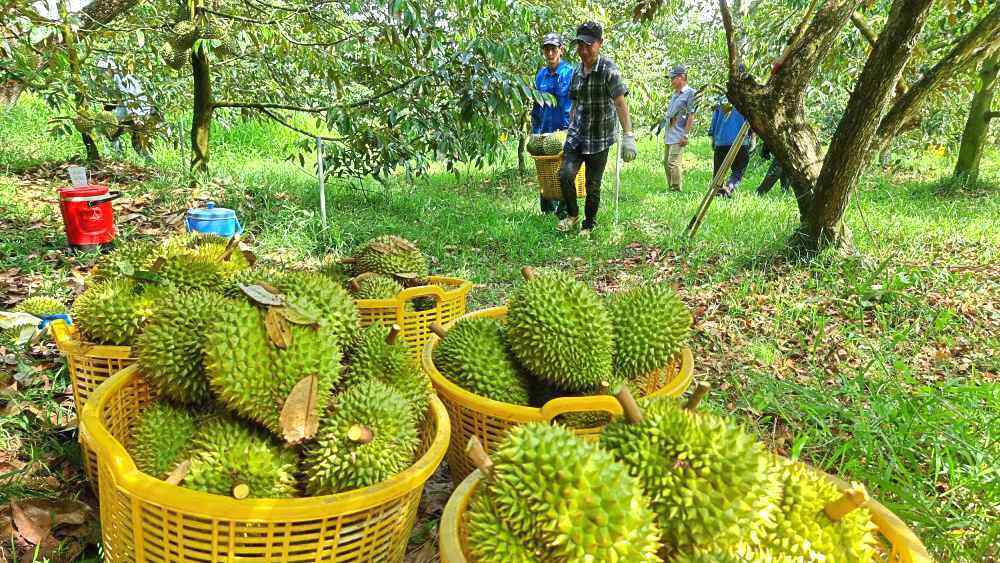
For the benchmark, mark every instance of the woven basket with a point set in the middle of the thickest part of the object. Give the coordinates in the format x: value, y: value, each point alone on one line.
x: 489, y: 420
x: 450, y: 295
x: 89, y: 365
x: 903, y: 544
x: 145, y: 519
x: 548, y: 177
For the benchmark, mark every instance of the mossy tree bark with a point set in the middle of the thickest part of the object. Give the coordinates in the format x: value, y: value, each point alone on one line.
x: 201, y: 121
x: 977, y: 126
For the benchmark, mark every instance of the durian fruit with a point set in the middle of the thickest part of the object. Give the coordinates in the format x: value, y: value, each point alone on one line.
x: 170, y: 347
x: 187, y: 271
x: 315, y: 292
x: 252, y: 376
x: 162, y: 438
x: 209, y: 247
x: 124, y: 260
x: 390, y: 255
x: 804, y: 528
x: 651, y: 326
x: 376, y: 355
x: 185, y: 32
x: 567, y: 498
x: 491, y: 542
x: 534, y: 146
x: 559, y: 329
x: 40, y: 306
x: 553, y: 143
x: 474, y: 355
x: 710, y: 482
x: 738, y: 554
x: 377, y: 286
x: 371, y: 436
x: 228, y: 453
x: 113, y: 312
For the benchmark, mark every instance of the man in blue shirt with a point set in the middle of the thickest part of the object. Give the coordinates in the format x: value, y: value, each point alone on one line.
x: 553, y: 78
x: 726, y: 124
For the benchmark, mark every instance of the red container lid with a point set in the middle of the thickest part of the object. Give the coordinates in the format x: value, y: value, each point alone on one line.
x: 83, y: 191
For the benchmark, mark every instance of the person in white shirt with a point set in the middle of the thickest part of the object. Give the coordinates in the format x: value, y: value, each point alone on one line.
x: 135, y: 115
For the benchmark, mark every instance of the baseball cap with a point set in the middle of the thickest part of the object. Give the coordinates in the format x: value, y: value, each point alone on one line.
x: 552, y: 39
x: 589, y: 32
x: 677, y: 71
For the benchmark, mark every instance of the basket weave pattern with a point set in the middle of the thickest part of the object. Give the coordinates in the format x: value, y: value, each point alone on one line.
x: 144, y: 519
x: 549, y: 187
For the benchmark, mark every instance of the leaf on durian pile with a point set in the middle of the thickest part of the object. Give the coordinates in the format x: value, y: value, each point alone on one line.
x: 299, y: 316
x: 262, y: 295
x: 179, y: 473
x: 157, y: 264
x: 299, y: 417
x: 278, y: 329
x: 248, y: 255
x: 231, y: 246
x: 143, y: 275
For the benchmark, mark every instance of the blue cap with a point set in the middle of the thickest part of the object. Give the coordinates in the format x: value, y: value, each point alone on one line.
x: 677, y: 71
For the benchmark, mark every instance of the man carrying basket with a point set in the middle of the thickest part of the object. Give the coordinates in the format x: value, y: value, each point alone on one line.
x: 598, y: 93
x: 553, y: 78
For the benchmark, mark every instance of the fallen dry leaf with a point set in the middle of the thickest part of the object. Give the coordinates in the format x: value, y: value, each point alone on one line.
x: 33, y: 523
x: 299, y: 416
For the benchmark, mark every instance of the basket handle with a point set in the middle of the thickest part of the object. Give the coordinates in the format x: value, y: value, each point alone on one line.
x: 420, y: 291
x: 563, y: 405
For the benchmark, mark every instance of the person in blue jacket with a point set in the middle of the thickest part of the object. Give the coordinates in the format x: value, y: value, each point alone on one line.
x: 554, y: 78
x: 726, y: 124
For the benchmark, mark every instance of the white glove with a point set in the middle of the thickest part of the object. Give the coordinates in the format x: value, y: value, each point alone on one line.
x: 629, y: 149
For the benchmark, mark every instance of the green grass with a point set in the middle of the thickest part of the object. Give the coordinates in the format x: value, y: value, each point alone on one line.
x: 881, y: 367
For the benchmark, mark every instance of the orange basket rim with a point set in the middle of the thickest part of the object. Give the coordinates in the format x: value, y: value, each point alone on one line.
x: 889, y: 525
x: 145, y: 487
x: 546, y: 156
x: 462, y: 286
x: 523, y: 412
x: 68, y: 341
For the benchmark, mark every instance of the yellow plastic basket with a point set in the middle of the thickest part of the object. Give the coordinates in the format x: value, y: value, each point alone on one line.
x: 903, y: 544
x: 450, y: 295
x: 89, y: 365
x: 547, y: 168
x: 489, y: 420
x: 145, y: 519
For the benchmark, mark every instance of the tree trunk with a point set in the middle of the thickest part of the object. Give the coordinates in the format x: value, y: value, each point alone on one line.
x: 851, y: 144
x: 9, y: 93
x: 978, y: 124
x: 201, y: 122
x: 93, y: 155
x: 522, y: 142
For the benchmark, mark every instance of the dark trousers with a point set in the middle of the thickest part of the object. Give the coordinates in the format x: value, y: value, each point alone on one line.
x: 774, y: 173
x: 739, y: 164
x: 572, y: 159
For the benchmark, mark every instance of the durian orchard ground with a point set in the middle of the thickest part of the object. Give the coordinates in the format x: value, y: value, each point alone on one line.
x: 881, y: 367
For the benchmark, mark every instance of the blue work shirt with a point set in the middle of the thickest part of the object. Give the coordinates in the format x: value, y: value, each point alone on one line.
x: 548, y: 118
x: 724, y: 127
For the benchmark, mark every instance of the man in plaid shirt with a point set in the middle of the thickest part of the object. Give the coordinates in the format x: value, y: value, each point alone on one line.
x: 598, y: 94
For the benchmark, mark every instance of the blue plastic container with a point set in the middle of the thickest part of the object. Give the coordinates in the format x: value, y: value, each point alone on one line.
x: 213, y: 220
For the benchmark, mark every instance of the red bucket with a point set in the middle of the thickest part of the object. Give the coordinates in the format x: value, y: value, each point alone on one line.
x: 87, y: 215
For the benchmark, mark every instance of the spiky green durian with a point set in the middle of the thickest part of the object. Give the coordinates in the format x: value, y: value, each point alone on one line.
x: 170, y: 348
x: 553, y: 489
x: 738, y: 554
x: 651, y: 326
x: 228, y: 452
x: 250, y: 276
x: 475, y: 356
x: 112, y: 312
x: 124, y: 260
x: 162, y: 438
x: 40, y: 306
x: 190, y: 272
x: 561, y: 332
x: 805, y: 532
x: 491, y: 542
x: 371, y: 357
x: 208, y: 247
x: 710, y: 482
x: 553, y: 143
x: 391, y: 255
x: 534, y: 146
x: 316, y: 292
x: 377, y: 287
x: 252, y: 376
x: 371, y: 436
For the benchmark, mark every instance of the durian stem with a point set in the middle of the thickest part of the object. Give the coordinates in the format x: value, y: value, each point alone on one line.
x: 360, y: 433
x: 348, y: 260
x: 356, y: 280
x: 477, y: 454
x: 851, y: 500
x: 633, y: 413
x: 233, y: 244
x: 437, y: 329
x: 603, y: 388
x: 241, y: 491
x: 699, y: 393
x: 179, y: 472
x: 394, y: 333
x: 528, y: 272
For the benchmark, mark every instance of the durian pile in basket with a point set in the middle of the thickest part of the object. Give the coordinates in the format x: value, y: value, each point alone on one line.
x: 25, y: 318
x: 266, y: 386
x: 383, y: 267
x: 560, y: 338
x: 546, y: 144
x: 663, y: 483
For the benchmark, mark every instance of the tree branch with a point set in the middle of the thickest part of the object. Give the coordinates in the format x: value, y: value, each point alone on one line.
x: 250, y: 105
x: 802, y: 58
x: 281, y: 121
x: 727, y: 22
x: 866, y: 30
